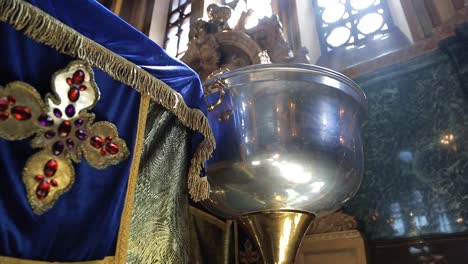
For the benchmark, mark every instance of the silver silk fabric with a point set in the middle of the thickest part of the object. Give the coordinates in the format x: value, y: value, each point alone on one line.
x: 159, y: 231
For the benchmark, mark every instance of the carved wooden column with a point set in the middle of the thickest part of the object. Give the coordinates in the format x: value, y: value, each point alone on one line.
x: 137, y: 13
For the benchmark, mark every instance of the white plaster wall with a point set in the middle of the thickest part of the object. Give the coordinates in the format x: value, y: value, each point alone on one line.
x: 158, y: 21
x: 399, y: 18
x: 307, y: 28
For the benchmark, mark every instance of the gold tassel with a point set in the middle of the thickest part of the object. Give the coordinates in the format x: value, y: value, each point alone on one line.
x: 45, y: 29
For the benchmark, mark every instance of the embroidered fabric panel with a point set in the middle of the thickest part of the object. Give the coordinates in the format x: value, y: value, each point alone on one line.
x: 63, y: 129
x: 159, y: 231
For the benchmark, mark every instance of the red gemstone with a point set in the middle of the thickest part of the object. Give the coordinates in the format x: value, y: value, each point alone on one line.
x: 78, y: 77
x: 64, y: 128
x: 103, y: 152
x: 83, y: 87
x: 4, y: 116
x: 43, y: 190
x: 3, y: 105
x: 50, y: 168
x: 11, y: 99
x: 21, y: 112
x: 73, y: 94
x: 54, y: 182
x: 112, y: 148
x: 97, y: 142
x: 109, y: 138
x: 69, y: 81
x: 39, y: 177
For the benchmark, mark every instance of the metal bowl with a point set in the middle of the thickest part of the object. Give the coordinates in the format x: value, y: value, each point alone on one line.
x: 288, y: 138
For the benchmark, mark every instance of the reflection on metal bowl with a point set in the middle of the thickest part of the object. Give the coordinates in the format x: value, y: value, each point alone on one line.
x: 288, y: 138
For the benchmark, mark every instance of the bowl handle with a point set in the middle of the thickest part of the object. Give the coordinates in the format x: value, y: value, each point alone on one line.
x: 218, y: 85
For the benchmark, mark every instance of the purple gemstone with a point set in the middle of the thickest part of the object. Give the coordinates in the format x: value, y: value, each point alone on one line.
x: 45, y: 120
x: 79, y: 122
x: 70, y: 110
x: 57, y: 112
x: 49, y: 134
x: 81, y: 134
x: 57, y: 148
x: 70, y: 143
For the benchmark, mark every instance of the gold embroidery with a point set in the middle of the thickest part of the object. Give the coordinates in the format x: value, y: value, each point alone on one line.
x: 94, y: 156
x: 8, y: 260
x: 64, y: 130
x: 65, y: 177
x: 19, y: 94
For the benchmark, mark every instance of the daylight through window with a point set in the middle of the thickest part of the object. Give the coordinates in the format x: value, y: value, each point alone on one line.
x: 349, y: 23
x: 178, y: 27
x: 261, y: 9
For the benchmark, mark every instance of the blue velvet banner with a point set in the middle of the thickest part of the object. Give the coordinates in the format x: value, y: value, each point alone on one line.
x: 83, y: 224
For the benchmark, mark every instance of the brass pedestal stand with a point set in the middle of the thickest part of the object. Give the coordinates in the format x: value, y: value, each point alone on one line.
x: 278, y: 234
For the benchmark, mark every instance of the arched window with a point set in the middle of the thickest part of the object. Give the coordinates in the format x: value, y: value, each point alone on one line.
x: 178, y: 27
x: 349, y: 23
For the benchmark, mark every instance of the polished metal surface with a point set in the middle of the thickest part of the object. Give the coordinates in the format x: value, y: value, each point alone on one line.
x: 277, y: 234
x: 291, y: 140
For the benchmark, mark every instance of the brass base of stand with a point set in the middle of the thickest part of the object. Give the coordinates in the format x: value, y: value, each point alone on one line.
x: 278, y: 234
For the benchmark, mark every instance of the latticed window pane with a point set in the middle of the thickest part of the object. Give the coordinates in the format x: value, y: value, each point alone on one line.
x: 178, y: 27
x: 349, y: 23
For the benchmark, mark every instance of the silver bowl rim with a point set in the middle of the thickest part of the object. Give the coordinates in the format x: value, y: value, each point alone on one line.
x: 298, y: 67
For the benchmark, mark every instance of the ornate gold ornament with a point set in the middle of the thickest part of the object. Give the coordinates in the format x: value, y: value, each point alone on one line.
x: 249, y: 256
x: 334, y: 222
x: 63, y: 129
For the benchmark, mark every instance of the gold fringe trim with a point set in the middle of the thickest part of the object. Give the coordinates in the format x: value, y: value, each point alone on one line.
x: 126, y: 219
x: 8, y: 260
x: 45, y: 29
